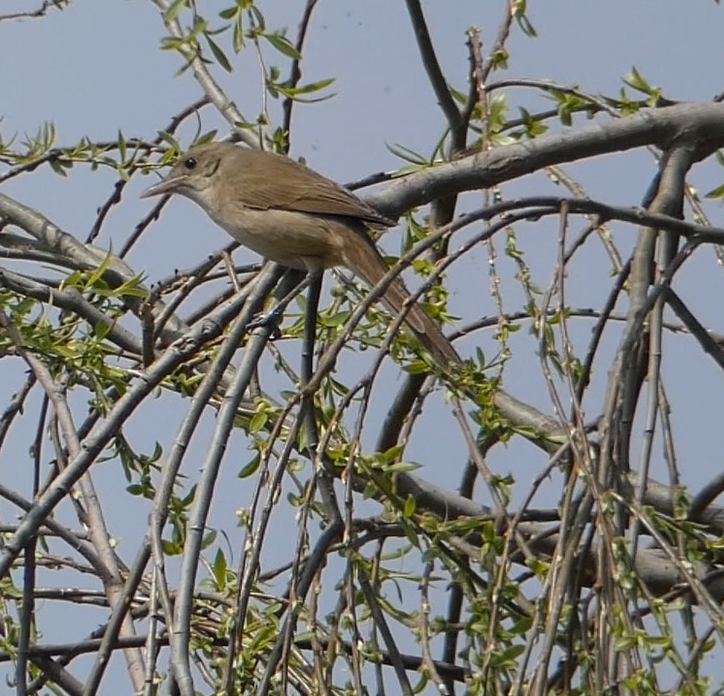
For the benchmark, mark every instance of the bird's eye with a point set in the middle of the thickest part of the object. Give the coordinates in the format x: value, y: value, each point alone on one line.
x: 190, y: 163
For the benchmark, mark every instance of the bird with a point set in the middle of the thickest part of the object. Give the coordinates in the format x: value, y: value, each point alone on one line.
x: 290, y: 214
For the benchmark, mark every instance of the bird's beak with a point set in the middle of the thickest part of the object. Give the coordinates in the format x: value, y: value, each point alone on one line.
x: 167, y: 186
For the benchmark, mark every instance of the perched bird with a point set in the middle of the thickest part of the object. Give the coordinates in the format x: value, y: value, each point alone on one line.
x: 292, y: 215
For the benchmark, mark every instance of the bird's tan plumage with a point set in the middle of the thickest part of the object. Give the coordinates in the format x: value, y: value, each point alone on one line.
x: 292, y: 215
x: 295, y: 187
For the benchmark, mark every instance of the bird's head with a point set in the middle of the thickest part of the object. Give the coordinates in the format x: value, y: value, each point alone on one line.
x: 195, y: 174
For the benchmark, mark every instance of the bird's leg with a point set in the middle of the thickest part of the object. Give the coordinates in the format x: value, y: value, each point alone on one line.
x: 271, y: 318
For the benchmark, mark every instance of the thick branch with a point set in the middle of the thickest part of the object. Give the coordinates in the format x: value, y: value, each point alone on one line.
x: 699, y: 124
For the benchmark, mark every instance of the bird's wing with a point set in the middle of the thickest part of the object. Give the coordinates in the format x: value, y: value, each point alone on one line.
x: 300, y: 189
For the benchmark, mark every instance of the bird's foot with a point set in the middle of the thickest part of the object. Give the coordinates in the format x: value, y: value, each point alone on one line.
x: 270, y: 321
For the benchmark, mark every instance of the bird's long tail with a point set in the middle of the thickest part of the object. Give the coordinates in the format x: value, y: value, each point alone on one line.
x: 363, y: 259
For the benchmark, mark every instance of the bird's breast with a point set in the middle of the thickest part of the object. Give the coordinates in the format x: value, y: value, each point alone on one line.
x: 294, y: 239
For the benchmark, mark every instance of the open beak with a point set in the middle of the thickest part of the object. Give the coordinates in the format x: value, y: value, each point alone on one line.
x: 167, y: 186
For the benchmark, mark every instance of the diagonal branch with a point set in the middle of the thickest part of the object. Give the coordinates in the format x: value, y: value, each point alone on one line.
x: 432, y: 66
x: 699, y: 124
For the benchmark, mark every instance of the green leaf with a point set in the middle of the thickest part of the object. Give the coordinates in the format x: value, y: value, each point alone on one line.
x: 408, y: 155
x: 250, y: 468
x: 174, y: 10
x: 167, y: 137
x: 519, y: 8
x: 499, y: 59
x: 402, y: 467
x: 121, y: 146
x: 98, y: 273
x: 219, y: 570
x: 58, y: 167
x: 410, y: 506
x: 527, y: 27
x: 101, y: 330
x: 335, y: 320
x: 306, y: 89
x: 716, y: 193
x: 208, y: 539
x: 238, y: 41
x: 417, y: 367
x: 283, y: 45
x: 637, y: 82
x: 258, y: 421
x: 171, y: 43
x: 220, y: 56
x: 230, y: 13
x: 257, y: 18
x: 391, y: 454
x: 171, y: 548
x: 206, y: 137
x: 533, y: 127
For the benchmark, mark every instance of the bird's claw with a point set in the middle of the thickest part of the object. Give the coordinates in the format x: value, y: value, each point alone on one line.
x: 270, y: 321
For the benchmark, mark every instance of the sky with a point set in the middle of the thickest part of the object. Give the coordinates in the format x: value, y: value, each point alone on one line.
x: 96, y: 69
